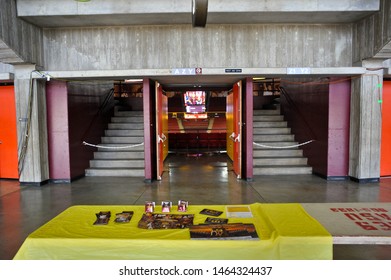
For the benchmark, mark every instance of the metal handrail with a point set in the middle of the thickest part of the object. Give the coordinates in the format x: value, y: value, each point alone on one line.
x: 294, y: 106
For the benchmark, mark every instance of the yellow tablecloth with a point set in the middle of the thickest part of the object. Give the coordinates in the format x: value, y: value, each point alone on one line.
x: 286, y: 231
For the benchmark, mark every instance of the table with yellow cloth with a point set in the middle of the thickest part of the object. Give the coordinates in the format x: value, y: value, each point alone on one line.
x: 286, y: 232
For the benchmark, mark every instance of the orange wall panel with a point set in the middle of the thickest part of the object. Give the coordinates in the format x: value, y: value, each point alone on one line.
x: 8, y: 138
x: 385, y: 162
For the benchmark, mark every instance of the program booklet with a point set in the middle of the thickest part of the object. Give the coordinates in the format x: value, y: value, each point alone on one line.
x: 165, y: 221
x: 123, y: 217
x: 219, y: 221
x: 211, y: 212
x: 224, y: 232
x: 102, y: 218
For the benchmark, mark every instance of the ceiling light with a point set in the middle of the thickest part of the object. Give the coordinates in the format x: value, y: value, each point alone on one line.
x: 133, y: 80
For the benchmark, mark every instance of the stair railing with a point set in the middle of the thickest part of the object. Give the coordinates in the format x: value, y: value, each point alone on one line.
x: 102, y: 106
x: 293, y: 105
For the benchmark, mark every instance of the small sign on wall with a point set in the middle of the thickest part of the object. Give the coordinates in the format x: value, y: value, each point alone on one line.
x: 299, y: 71
x: 186, y: 71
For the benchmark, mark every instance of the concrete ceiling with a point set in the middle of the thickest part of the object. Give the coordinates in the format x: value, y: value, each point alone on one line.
x: 71, y: 13
x: 96, y: 13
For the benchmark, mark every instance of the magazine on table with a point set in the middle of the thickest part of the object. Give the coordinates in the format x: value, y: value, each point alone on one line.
x: 165, y: 221
x: 235, y: 231
x: 213, y: 220
x: 211, y: 212
x: 123, y: 217
x: 102, y: 218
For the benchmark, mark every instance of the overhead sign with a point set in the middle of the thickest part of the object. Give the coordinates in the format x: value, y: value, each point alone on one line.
x: 186, y: 71
x: 233, y: 70
x: 298, y: 71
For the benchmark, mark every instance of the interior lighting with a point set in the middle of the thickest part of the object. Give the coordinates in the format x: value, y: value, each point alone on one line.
x: 133, y: 80
x: 259, y: 78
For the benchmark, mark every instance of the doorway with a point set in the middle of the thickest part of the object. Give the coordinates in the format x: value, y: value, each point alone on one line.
x: 198, y: 129
x: 385, y: 156
x: 197, y: 132
x: 8, y: 134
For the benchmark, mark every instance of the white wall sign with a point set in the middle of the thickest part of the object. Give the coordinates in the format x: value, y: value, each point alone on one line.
x: 298, y: 71
x: 183, y: 71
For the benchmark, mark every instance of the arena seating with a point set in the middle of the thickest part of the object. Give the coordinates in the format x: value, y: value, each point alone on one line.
x: 208, y: 135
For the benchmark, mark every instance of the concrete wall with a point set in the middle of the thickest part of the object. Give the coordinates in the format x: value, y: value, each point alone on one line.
x: 372, y: 34
x: 23, y: 39
x: 150, y: 47
x: 365, y: 127
x: 6, y: 68
x: 34, y: 165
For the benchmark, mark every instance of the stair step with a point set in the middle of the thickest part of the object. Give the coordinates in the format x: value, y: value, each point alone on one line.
x: 282, y: 170
x: 117, y: 163
x: 115, y: 172
x: 127, y: 120
x: 266, y: 112
x: 126, y: 125
x: 122, y: 140
x: 124, y: 132
x: 272, y: 130
x: 273, y: 138
x: 280, y: 161
x: 129, y: 114
x: 268, y: 118
x: 278, y: 153
x: 119, y: 155
x: 257, y: 124
x: 126, y: 129
x: 284, y: 144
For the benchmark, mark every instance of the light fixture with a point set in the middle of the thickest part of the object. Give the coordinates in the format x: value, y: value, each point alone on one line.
x: 199, y: 12
x: 82, y: 0
x: 133, y: 80
x: 259, y: 78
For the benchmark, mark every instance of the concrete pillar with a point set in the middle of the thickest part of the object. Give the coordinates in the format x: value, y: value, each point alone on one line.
x: 365, y: 124
x: 33, y: 163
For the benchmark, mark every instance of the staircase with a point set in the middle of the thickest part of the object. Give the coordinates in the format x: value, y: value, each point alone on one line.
x: 270, y: 129
x: 126, y: 129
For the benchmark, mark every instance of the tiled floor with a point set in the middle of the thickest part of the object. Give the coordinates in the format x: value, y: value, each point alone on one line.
x: 201, y: 179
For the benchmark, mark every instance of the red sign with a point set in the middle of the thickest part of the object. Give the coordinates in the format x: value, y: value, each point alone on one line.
x: 367, y: 218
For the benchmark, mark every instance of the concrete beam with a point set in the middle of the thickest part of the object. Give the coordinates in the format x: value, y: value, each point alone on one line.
x: 46, y: 13
x: 8, y: 55
x: 137, y: 73
x: 6, y: 77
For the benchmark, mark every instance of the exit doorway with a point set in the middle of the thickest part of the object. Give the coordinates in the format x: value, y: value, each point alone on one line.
x: 185, y: 121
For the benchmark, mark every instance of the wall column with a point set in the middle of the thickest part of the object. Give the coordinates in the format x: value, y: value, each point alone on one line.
x: 34, y: 169
x: 365, y: 124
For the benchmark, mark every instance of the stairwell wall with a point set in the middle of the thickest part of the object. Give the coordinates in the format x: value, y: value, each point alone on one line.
x: 74, y: 117
x: 308, y: 119
x: 324, y: 114
x: 86, y: 123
